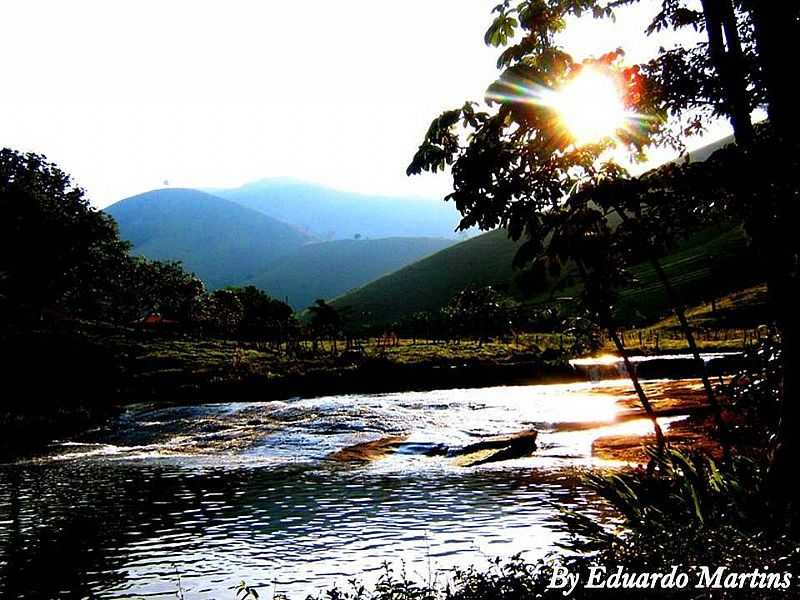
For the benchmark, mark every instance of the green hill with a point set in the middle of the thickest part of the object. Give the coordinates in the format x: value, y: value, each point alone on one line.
x: 707, y: 265
x: 431, y: 282
x: 711, y: 262
x: 327, y: 269
x: 222, y: 242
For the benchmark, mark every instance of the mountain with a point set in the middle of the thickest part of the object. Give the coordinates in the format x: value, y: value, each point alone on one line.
x: 225, y: 243
x: 222, y: 242
x: 716, y: 260
x: 430, y: 283
x: 332, y: 214
x: 328, y: 269
x: 486, y: 260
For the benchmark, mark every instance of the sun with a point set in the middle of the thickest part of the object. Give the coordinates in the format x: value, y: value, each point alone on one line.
x: 591, y: 107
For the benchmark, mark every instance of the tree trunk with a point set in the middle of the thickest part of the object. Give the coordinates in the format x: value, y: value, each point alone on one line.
x: 776, y: 28
x: 680, y: 312
x: 729, y: 64
x: 786, y: 451
x: 648, y: 408
x: 604, y: 320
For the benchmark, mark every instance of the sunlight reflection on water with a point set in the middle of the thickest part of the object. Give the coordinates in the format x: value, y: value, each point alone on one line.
x: 247, y: 491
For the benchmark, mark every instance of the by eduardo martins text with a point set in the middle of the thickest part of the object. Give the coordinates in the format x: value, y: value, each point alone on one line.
x: 699, y: 577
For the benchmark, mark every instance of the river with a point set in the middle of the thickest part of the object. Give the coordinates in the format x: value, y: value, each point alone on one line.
x: 219, y: 493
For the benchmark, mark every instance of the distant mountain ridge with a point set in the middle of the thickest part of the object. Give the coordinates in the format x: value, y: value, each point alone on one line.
x: 328, y: 269
x: 330, y: 214
x: 227, y: 244
x: 222, y: 242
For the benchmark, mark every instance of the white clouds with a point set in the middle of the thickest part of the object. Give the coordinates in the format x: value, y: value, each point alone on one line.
x: 209, y: 93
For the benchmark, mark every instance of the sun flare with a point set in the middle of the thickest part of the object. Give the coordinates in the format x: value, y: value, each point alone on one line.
x: 591, y: 107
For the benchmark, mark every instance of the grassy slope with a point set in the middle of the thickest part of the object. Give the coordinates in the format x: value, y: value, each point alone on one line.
x: 486, y: 260
x: 195, y: 228
x: 328, y: 269
x: 711, y: 262
x: 433, y: 281
x: 732, y: 321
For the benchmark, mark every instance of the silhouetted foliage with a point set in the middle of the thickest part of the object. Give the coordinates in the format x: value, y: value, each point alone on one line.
x: 262, y: 315
x: 479, y: 312
x: 56, y: 251
x: 164, y: 288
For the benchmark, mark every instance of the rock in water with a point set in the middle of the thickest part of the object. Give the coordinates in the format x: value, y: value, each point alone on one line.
x: 496, y: 449
x: 368, y: 451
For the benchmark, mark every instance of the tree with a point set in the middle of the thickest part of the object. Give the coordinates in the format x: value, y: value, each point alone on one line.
x: 481, y: 312
x: 224, y: 311
x: 776, y: 24
x: 418, y: 325
x: 652, y: 217
x: 262, y: 315
x: 739, y: 67
x: 56, y: 251
x: 159, y: 286
x: 520, y: 168
x: 746, y: 49
x: 326, y: 321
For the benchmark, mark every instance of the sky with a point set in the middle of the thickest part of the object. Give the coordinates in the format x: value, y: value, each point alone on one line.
x: 126, y: 96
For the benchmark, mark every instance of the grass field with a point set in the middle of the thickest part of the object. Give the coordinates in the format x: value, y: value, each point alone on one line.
x: 730, y: 322
x: 217, y: 355
x: 710, y: 265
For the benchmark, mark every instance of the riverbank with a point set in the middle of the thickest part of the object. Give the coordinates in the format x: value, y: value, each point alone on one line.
x: 683, y: 400
x: 190, y: 369
x: 71, y: 376
x: 76, y: 375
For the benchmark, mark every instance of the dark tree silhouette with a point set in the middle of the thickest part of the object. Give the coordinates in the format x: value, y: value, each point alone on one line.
x: 506, y: 175
x: 746, y: 58
x: 56, y: 251
x: 326, y: 321
x: 224, y: 312
x: 776, y: 25
x: 480, y: 312
x: 520, y: 168
x: 162, y: 287
x: 262, y: 315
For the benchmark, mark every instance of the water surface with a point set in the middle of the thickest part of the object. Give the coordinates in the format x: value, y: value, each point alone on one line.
x: 224, y: 492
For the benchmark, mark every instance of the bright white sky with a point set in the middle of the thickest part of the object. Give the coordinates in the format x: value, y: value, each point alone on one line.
x: 125, y: 95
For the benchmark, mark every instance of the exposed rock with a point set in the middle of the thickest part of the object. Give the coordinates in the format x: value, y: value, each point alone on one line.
x: 496, y: 449
x: 368, y: 451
